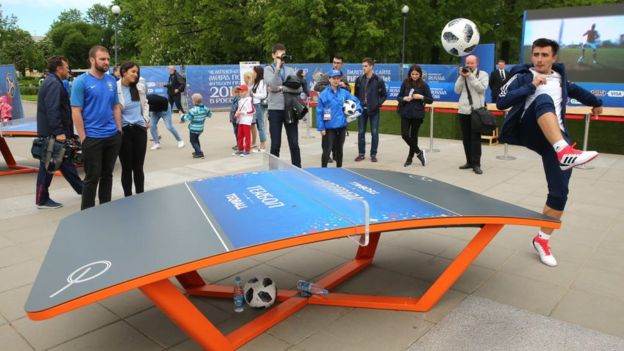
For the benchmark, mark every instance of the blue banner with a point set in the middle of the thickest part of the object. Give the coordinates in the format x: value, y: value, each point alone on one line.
x: 155, y: 78
x: 9, y: 88
x: 611, y: 94
x: 214, y: 83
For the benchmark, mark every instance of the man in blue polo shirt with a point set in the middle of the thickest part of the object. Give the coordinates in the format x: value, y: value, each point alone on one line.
x: 97, y: 117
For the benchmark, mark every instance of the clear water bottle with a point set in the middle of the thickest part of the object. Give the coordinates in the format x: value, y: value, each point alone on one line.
x: 239, y: 299
x: 308, y: 288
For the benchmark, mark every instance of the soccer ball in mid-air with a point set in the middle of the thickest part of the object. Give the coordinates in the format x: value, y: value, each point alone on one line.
x: 260, y: 292
x: 460, y: 36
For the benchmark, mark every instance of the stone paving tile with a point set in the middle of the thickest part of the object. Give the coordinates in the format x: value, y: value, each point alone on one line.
x: 11, y: 255
x: 323, y: 340
x: 379, y: 329
x: 12, y: 302
x: 524, y: 264
x: 52, y: 332
x: 11, y: 340
x: 18, y: 275
x: 156, y: 326
x: 266, y: 342
x: 226, y: 270
x: 127, y: 304
x: 601, y: 282
x: 282, y: 279
x: 491, y: 257
x: 310, y: 320
x: 307, y: 262
x: 118, y: 336
x: 525, y: 293
x: 593, y: 311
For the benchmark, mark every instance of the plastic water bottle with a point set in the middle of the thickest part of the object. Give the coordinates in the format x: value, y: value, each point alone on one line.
x: 308, y: 288
x: 239, y: 300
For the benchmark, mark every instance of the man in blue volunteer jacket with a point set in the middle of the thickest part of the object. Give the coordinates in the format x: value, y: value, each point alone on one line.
x: 331, y: 120
x: 537, y: 95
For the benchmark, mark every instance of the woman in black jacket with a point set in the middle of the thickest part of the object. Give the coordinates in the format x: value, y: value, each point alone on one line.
x: 413, y: 96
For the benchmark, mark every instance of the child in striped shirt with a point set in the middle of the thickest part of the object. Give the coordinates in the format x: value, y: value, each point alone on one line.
x: 197, y: 115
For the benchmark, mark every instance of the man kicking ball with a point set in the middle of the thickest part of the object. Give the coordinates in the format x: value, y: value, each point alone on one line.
x: 592, y: 35
x: 537, y: 94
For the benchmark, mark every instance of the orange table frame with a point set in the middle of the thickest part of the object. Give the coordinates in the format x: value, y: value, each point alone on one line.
x: 177, y: 306
x: 13, y: 167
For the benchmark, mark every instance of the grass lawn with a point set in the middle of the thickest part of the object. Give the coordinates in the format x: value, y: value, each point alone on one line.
x: 29, y: 98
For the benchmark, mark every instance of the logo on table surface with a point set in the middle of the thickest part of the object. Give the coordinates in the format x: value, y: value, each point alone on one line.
x: 85, y: 273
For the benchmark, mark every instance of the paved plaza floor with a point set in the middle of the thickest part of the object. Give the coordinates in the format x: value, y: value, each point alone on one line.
x: 507, y: 300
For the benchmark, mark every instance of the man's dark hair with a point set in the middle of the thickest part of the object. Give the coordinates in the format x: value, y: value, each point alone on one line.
x: 277, y: 47
x: 95, y: 49
x: 55, y: 62
x: 338, y: 56
x: 368, y: 60
x: 501, y: 60
x: 544, y: 42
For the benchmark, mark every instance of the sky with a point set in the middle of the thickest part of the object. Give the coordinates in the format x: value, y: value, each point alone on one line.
x: 571, y: 29
x: 36, y: 16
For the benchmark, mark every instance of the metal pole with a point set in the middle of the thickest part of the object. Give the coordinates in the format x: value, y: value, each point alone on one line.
x: 116, y: 25
x: 403, y: 47
x: 431, y: 149
x: 585, y: 139
x: 505, y: 156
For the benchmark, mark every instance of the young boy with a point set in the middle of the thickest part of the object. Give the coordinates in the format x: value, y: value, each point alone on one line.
x: 244, y: 115
x: 197, y: 115
x: 233, y: 109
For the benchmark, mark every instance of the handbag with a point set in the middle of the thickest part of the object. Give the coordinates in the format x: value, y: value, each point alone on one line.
x: 481, y: 119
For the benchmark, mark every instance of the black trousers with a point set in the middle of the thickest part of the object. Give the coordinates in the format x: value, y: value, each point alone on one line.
x: 409, y: 133
x: 333, y: 142
x: 276, y: 121
x: 44, y: 179
x: 177, y: 99
x: 471, y: 140
x: 132, y: 157
x: 98, y: 157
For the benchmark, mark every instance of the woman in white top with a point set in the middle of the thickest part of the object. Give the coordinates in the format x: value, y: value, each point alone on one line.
x: 135, y: 121
x: 259, y: 94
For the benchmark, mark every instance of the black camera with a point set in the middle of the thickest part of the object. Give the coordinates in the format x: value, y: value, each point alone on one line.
x: 286, y: 58
x: 465, y: 69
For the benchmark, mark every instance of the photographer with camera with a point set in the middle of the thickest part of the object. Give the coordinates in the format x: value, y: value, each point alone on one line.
x: 54, y: 120
x: 473, y: 82
x: 274, y: 76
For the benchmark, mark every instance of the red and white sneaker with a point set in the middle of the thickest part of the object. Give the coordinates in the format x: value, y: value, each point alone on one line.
x: 542, y: 248
x: 570, y: 157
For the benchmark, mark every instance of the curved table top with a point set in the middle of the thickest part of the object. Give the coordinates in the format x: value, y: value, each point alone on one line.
x: 130, y: 242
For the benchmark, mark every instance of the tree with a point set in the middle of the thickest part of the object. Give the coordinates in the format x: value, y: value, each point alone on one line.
x: 73, y: 40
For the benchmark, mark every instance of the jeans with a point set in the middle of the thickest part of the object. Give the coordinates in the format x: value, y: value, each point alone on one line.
x: 362, y: 123
x: 471, y: 140
x: 276, y: 120
x: 132, y: 157
x: 166, y: 116
x: 98, y: 157
x: 260, y: 122
x: 409, y: 133
x: 177, y: 99
x: 333, y: 142
x: 44, y: 179
x: 195, y: 143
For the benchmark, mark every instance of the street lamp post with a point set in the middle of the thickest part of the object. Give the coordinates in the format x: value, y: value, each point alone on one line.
x: 116, y: 10
x: 404, y: 11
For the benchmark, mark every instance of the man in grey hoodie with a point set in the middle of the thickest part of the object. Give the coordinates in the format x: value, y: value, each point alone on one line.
x: 274, y: 77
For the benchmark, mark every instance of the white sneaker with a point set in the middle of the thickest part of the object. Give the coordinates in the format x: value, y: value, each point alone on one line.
x: 181, y: 144
x: 541, y: 246
x: 155, y: 147
x: 570, y: 157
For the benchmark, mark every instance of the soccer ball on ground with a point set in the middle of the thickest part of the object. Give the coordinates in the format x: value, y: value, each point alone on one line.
x: 460, y: 36
x: 260, y: 292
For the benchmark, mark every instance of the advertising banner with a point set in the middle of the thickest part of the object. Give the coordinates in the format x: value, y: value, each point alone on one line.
x: 214, y: 83
x: 10, y: 91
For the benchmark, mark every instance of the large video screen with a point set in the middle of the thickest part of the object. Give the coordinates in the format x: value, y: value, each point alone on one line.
x: 591, y: 40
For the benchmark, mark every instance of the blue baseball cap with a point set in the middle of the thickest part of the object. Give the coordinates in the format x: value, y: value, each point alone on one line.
x: 334, y: 73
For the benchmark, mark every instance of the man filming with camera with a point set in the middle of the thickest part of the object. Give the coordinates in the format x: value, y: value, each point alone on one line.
x: 54, y: 120
x: 274, y: 76
x: 471, y: 85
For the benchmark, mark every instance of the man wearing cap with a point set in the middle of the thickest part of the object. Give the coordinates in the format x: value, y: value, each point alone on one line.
x: 274, y: 76
x: 331, y: 121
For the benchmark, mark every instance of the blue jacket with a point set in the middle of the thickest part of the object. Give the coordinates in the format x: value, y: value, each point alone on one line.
x: 53, y: 112
x: 515, y: 92
x: 197, y: 115
x: 333, y: 101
